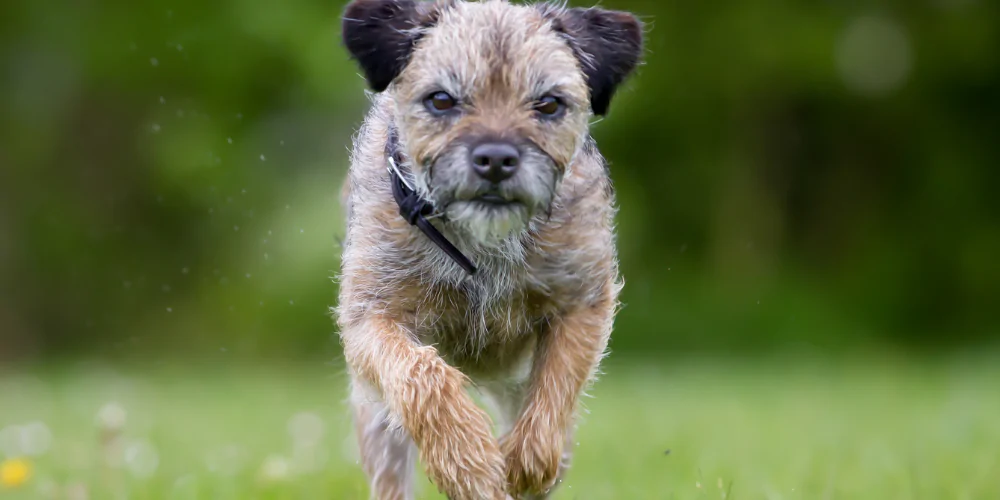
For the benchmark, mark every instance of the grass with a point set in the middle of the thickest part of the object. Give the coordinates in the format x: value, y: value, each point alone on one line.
x: 699, y: 430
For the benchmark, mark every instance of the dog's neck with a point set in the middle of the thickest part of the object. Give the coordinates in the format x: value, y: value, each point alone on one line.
x: 415, y: 209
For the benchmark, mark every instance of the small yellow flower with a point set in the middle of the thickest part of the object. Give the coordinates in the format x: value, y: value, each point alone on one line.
x: 14, y: 472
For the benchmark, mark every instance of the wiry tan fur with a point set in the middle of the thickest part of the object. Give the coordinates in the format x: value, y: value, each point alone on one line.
x: 530, y: 328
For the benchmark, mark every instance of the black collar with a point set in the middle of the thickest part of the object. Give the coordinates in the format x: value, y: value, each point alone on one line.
x: 415, y: 209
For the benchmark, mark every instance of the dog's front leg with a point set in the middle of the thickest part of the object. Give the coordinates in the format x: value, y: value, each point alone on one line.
x: 427, y: 398
x: 567, y: 357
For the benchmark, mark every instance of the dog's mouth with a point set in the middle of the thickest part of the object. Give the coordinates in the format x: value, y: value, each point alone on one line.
x: 493, y: 199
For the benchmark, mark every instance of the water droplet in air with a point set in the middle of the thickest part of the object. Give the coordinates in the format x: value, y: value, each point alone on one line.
x: 154, y: 61
x: 156, y: 127
x: 291, y: 302
x: 165, y: 288
x: 244, y: 191
x: 170, y: 309
x: 162, y: 100
x: 180, y: 113
x: 184, y: 271
x: 236, y: 228
x: 262, y: 158
x: 282, y: 143
x: 248, y: 275
x: 302, y: 231
x: 180, y: 47
x: 239, y: 116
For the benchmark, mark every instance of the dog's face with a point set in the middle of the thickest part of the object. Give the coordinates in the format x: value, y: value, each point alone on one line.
x: 492, y: 100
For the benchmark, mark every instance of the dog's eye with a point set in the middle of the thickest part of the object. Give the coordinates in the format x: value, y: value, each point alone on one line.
x: 549, y: 105
x: 439, y: 102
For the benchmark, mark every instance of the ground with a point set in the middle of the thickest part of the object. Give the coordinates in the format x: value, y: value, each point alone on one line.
x: 699, y: 429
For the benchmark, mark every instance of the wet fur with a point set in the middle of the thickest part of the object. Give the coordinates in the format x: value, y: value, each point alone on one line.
x: 529, y: 329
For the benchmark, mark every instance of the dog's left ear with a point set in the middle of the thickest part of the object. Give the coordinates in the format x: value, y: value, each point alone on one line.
x: 381, y: 34
x: 608, y: 43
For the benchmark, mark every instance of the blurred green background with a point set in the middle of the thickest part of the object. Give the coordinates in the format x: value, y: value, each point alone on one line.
x: 791, y: 174
x: 809, y: 234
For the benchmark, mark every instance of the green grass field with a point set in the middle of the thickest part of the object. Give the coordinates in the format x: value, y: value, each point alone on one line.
x: 699, y: 430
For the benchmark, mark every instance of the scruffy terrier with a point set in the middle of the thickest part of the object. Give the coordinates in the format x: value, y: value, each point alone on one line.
x: 480, y: 247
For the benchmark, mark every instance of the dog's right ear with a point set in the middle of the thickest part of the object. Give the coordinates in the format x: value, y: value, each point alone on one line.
x: 381, y: 34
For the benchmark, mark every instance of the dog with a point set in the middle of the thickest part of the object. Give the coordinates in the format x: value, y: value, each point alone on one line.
x: 480, y: 245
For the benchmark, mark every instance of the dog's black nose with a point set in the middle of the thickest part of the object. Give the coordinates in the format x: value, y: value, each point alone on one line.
x: 495, y: 161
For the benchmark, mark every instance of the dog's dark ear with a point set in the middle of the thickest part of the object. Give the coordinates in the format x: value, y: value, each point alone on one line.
x: 380, y: 35
x: 609, y: 45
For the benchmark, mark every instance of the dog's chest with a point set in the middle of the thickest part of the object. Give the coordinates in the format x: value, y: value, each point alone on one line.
x: 481, y: 325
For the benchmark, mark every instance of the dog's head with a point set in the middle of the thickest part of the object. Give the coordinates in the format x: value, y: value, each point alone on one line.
x: 492, y: 100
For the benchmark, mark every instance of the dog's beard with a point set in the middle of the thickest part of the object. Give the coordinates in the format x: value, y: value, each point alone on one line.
x: 488, y: 224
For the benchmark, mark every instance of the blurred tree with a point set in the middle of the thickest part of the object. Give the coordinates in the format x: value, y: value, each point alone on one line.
x: 789, y: 173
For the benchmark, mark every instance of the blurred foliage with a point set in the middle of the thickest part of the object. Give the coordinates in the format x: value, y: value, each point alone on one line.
x: 790, y: 174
